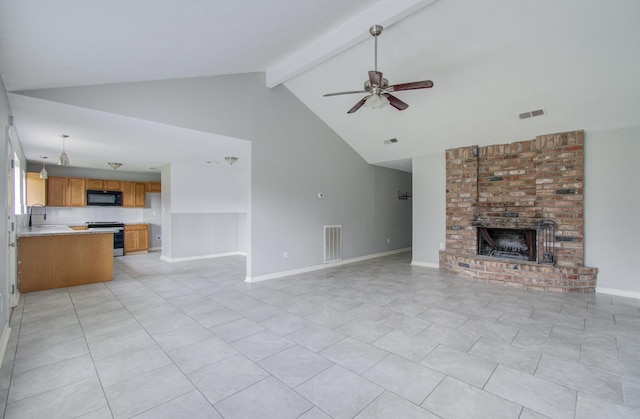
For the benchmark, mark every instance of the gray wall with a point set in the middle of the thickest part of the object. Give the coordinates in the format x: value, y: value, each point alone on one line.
x: 612, y: 208
x: 294, y: 156
x: 4, y: 256
x: 152, y: 215
x: 429, y: 208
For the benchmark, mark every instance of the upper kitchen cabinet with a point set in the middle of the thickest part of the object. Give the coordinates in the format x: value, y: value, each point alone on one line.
x: 76, y: 192
x: 133, y: 194
x: 103, y: 185
x: 66, y: 192
x: 56, y: 191
x: 36, y: 189
x: 154, y: 187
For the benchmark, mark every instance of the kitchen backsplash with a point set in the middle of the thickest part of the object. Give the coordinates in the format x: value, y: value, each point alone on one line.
x: 71, y: 215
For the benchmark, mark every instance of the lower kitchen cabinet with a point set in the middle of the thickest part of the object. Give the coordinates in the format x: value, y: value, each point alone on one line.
x: 136, y: 238
x: 50, y: 261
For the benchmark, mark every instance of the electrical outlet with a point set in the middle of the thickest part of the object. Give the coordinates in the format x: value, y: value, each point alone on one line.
x: 285, y: 255
x: 441, y: 246
x: 158, y: 237
x: 388, y: 240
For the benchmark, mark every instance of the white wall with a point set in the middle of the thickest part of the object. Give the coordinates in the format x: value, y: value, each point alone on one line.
x: 612, y: 209
x: 429, y: 208
x: 208, y: 203
x: 209, y: 188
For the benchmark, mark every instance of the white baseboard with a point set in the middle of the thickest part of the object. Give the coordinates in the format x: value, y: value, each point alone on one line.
x: 618, y: 293
x: 190, y: 258
x: 275, y: 275
x: 425, y: 264
x: 4, y: 340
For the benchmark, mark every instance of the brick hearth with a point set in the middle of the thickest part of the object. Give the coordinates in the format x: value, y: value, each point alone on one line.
x: 511, y: 186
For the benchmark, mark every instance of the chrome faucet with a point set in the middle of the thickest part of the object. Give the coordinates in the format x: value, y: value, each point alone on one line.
x: 31, y: 212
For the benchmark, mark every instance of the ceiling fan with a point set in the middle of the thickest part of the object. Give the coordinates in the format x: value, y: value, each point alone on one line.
x: 378, y: 88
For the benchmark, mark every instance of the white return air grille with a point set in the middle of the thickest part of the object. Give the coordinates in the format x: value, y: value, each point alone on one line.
x: 332, y: 243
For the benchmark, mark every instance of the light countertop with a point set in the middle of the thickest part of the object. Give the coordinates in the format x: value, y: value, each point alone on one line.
x: 57, y: 230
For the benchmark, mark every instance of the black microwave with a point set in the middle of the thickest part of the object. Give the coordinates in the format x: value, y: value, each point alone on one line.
x: 104, y: 198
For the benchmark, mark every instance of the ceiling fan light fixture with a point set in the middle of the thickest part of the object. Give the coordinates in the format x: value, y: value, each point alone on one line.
x: 378, y: 86
x: 376, y: 101
x: 43, y: 172
x: 63, y: 159
x: 231, y: 159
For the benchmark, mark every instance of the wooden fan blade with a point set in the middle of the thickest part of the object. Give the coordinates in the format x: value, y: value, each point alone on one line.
x: 375, y: 78
x: 345, y: 93
x: 396, y: 103
x: 425, y: 84
x: 358, y: 105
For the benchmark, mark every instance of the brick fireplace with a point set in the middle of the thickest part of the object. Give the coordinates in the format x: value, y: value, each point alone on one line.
x: 515, y: 214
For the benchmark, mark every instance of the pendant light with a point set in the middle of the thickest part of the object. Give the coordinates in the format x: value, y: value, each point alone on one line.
x: 43, y: 172
x: 63, y: 160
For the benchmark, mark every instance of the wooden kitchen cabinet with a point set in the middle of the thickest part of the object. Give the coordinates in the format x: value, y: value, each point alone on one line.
x: 154, y: 187
x: 103, y: 185
x: 112, y: 185
x: 133, y: 194
x: 136, y: 238
x: 95, y: 184
x: 64, y: 260
x: 56, y: 191
x: 76, y: 192
x: 36, y: 189
x: 66, y: 192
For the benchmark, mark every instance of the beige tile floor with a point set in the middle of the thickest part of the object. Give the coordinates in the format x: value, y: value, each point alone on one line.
x: 374, y: 339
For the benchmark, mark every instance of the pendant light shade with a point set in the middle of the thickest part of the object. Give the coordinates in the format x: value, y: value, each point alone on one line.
x: 43, y: 172
x: 63, y: 160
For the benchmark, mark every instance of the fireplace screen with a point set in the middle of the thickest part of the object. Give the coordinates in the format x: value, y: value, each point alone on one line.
x: 535, y: 245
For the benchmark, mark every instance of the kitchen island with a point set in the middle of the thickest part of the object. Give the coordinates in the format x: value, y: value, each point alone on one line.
x: 56, y: 256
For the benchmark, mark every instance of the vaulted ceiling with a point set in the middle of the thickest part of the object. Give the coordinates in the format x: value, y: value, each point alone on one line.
x: 490, y: 60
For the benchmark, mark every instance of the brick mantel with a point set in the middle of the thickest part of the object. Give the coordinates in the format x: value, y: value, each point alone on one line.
x: 513, y: 185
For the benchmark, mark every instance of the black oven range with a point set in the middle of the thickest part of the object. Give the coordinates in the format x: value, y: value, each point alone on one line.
x: 118, y: 235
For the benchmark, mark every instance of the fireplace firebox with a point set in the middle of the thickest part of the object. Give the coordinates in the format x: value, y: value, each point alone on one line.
x: 535, y: 244
x: 507, y: 243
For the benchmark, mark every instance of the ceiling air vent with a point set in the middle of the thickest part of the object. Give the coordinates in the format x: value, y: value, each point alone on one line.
x: 391, y: 141
x: 531, y: 114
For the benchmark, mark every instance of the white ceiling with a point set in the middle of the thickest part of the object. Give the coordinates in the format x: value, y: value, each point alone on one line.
x: 490, y: 60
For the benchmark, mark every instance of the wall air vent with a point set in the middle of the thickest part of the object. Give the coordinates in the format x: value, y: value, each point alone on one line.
x: 332, y: 243
x: 391, y: 141
x: 531, y: 114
